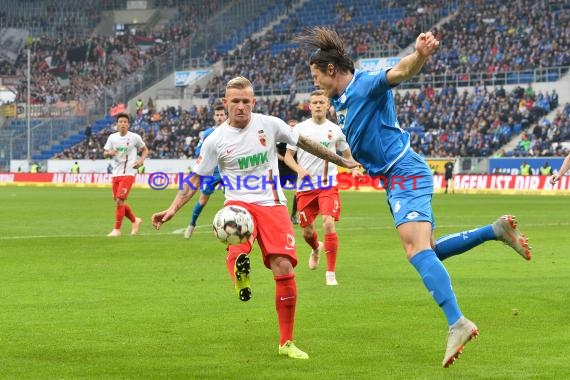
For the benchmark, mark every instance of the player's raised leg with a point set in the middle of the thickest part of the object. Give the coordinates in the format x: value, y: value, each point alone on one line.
x: 503, y: 229
x: 241, y: 272
x: 239, y: 268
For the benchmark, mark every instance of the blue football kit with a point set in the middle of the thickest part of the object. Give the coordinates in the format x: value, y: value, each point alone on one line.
x: 210, y: 184
x: 366, y: 111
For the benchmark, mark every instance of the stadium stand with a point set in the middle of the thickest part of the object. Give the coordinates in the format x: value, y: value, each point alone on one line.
x: 458, y: 106
x: 518, y: 41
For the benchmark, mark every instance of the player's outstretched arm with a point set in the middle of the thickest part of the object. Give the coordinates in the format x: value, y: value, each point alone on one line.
x: 320, y: 151
x: 182, y: 197
x: 410, y: 65
x: 356, y: 171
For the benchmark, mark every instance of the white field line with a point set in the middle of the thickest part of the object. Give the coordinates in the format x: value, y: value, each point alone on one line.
x: 207, y: 229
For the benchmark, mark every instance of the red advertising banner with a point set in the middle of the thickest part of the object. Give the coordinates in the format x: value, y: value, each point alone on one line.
x: 468, y: 183
x: 508, y: 182
x: 79, y: 179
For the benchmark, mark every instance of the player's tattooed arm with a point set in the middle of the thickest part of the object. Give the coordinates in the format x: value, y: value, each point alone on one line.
x: 320, y: 151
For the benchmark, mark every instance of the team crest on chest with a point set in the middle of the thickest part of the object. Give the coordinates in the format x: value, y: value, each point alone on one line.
x: 330, y: 134
x: 261, y: 137
x: 341, y: 117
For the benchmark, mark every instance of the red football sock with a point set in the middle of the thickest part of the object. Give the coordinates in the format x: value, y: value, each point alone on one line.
x: 285, y: 302
x: 313, y: 241
x: 119, y: 215
x: 331, y: 248
x: 129, y: 214
x: 233, y: 252
x: 230, y: 262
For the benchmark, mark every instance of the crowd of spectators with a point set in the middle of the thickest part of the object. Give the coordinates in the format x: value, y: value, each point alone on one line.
x: 446, y: 122
x: 487, y: 36
x: 545, y: 138
x: 497, y: 37
x: 277, y: 72
x: 483, y: 37
x: 66, y: 66
x: 112, y: 58
x: 51, y: 17
x: 174, y: 132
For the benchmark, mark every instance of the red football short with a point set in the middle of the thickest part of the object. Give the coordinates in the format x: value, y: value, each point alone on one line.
x: 122, y: 186
x: 320, y: 201
x: 272, y: 229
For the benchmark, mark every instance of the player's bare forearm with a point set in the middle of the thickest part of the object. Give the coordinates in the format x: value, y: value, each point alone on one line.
x: 185, y: 194
x: 411, y: 65
x: 182, y: 197
x: 347, y: 154
x: 320, y: 151
x: 289, y: 160
x: 144, y: 154
x: 140, y: 161
x: 109, y: 153
x: 408, y: 67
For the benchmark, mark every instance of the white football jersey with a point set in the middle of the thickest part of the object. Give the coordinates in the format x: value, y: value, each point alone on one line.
x: 323, y: 173
x: 247, y: 159
x: 128, y: 147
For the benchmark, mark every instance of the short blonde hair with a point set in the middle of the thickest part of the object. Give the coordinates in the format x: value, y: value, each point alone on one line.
x: 239, y: 83
x: 318, y: 93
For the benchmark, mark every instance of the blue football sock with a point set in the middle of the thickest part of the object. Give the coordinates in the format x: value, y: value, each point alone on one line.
x: 196, y: 213
x: 437, y: 281
x: 455, y: 244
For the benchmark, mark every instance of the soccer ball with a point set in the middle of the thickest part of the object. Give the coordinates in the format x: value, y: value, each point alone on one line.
x: 233, y: 225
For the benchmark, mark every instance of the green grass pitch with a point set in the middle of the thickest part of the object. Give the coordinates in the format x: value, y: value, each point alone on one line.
x: 75, y: 304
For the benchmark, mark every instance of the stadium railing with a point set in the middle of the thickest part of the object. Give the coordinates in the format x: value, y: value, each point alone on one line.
x: 549, y: 74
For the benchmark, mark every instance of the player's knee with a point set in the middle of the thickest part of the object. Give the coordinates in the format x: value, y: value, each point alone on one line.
x: 308, y: 232
x: 280, y: 265
x: 328, y: 224
x: 409, y: 250
x: 412, y: 248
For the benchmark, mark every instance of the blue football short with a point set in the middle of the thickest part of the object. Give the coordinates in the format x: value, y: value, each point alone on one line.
x: 210, y: 183
x: 409, y: 190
